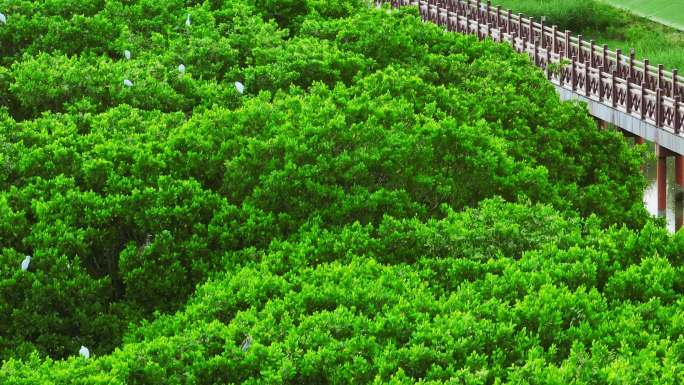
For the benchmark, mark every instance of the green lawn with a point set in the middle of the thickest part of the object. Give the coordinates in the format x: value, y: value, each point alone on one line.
x: 670, y: 12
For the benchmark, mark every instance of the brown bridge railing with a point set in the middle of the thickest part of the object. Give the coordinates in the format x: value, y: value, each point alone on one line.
x: 610, y: 77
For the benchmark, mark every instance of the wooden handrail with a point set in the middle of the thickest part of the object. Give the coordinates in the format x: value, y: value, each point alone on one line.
x: 613, y: 78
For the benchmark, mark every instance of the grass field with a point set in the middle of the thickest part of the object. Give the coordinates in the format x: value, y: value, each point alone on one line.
x: 669, y: 12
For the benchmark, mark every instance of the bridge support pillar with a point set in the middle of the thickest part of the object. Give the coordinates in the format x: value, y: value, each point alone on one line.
x: 679, y: 170
x: 602, y: 124
x: 661, y: 178
x: 679, y: 196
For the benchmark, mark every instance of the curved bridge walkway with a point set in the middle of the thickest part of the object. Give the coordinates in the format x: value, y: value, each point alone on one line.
x: 642, y: 99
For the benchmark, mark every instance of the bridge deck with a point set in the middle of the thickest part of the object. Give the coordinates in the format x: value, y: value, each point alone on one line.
x: 628, y: 122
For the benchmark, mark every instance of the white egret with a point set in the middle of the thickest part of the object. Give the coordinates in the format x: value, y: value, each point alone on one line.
x: 246, y: 343
x: 187, y: 21
x: 181, y: 68
x: 239, y: 87
x: 84, y: 352
x: 3, y: 18
x: 127, y: 54
x: 25, y: 263
x: 128, y: 83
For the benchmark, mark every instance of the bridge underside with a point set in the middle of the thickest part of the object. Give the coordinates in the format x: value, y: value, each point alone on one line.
x: 629, y: 123
x: 667, y: 143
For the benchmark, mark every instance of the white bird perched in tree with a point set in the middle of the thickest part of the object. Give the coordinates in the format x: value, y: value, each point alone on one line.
x: 84, y: 352
x: 187, y: 21
x: 246, y: 343
x: 128, y: 83
x: 181, y: 68
x: 127, y: 54
x: 3, y: 18
x: 25, y: 263
x: 239, y: 87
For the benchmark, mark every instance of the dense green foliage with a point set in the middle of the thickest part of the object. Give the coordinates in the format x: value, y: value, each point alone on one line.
x: 503, y: 292
x: 386, y: 202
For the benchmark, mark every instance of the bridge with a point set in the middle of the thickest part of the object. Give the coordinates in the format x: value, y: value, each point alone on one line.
x: 641, y: 99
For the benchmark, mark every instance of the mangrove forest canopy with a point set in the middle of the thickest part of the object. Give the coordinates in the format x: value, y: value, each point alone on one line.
x: 313, y: 192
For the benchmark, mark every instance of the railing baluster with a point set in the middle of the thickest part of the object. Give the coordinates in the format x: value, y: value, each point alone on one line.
x: 601, y: 88
x: 513, y: 37
x: 628, y: 98
x: 509, y: 21
x: 580, y: 55
x: 434, y: 16
x: 467, y: 19
x: 660, y: 76
x: 675, y: 86
x: 531, y: 36
x: 498, y: 18
x: 631, y: 66
x: 606, y: 62
x: 456, y: 8
x: 677, y: 116
x: 574, y: 73
x: 440, y: 8
x: 642, y: 103
x: 587, y: 80
x: 613, y: 89
x: 659, y: 108
x: 489, y: 15
x: 618, y: 61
